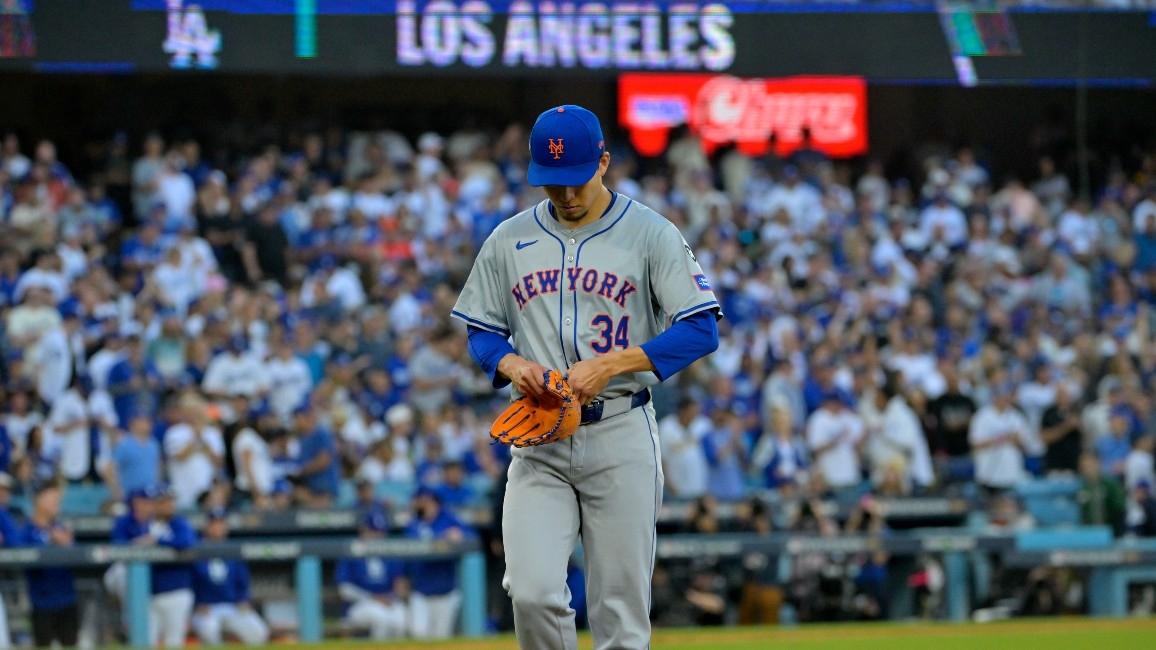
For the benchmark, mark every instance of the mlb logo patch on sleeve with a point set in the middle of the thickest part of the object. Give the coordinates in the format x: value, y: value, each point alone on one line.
x: 702, y: 282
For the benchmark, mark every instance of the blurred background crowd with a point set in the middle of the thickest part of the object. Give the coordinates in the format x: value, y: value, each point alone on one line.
x: 263, y: 324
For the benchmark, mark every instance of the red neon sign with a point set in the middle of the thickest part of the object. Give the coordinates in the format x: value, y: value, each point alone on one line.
x: 722, y: 109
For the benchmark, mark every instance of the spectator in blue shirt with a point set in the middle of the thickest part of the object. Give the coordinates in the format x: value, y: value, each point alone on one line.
x: 221, y: 593
x: 1113, y: 449
x: 144, y: 249
x: 136, y: 459
x: 373, y: 589
x: 318, y: 467
x: 436, y: 600
x: 725, y: 446
x: 130, y: 383
x: 379, y: 394
x: 51, y: 590
x: 453, y: 491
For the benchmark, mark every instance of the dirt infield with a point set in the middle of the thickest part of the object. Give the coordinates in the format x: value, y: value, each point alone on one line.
x: 1059, y: 634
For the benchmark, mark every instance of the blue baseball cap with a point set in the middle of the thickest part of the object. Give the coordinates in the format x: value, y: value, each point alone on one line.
x: 566, y: 145
x: 138, y: 493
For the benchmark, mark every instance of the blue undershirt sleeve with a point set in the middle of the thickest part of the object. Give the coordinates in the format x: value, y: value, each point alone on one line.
x: 687, y: 341
x: 487, y: 349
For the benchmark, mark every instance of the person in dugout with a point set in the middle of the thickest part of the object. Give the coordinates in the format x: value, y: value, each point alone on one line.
x: 153, y: 521
x: 221, y: 593
x: 374, y: 590
x: 436, y: 599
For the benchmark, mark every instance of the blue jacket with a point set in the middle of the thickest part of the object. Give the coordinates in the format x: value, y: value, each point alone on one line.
x: 9, y: 531
x: 312, y: 446
x: 435, y: 577
x: 48, y: 588
x: 373, y: 574
x: 220, y: 581
x: 176, y: 533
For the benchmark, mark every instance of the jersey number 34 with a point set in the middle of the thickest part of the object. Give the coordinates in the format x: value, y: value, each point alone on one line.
x: 611, y: 335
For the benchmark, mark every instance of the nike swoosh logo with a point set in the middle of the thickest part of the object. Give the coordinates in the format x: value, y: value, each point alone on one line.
x: 520, y: 245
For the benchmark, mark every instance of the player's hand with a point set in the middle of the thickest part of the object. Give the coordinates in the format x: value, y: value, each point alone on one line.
x: 527, y: 376
x: 588, y: 378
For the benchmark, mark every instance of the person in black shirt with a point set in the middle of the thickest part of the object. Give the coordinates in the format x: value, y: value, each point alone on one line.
x: 949, y: 417
x: 223, y: 226
x: 1060, y: 431
x: 266, y: 251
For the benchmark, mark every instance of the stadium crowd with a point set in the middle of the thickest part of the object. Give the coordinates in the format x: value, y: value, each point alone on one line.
x: 260, y: 326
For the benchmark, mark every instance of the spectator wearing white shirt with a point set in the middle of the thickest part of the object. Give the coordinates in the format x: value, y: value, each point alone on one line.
x: 51, y: 360
x: 1078, y: 229
x: 899, y: 436
x: 290, y: 380
x: 1035, y: 396
x: 684, y: 462
x: 19, y: 419
x: 176, y: 192
x: 1145, y: 211
x: 333, y: 286
x: 235, y: 372
x: 434, y: 371
x: 783, y: 388
x: 801, y: 201
x: 254, y: 467
x: 834, y: 436
x: 195, y: 451
x: 45, y: 274
x: 873, y: 185
x: 172, y: 279
x: 383, y: 463
x: 998, y: 435
x: 67, y: 430
x: 1139, y: 466
x: 943, y: 222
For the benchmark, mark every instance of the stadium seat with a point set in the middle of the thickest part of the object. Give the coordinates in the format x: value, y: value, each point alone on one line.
x: 84, y: 499
x: 1065, y: 487
x: 1083, y: 537
x: 1053, y: 511
x: 397, y: 494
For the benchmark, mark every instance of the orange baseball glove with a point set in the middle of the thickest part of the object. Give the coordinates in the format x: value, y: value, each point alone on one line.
x: 528, y: 422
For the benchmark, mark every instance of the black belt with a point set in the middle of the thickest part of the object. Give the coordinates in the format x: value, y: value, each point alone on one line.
x: 602, y: 409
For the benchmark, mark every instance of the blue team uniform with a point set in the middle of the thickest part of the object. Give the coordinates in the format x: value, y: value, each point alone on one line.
x: 179, y: 535
x: 435, y: 577
x: 373, y: 574
x: 49, y: 588
x: 313, y: 445
x: 219, y: 581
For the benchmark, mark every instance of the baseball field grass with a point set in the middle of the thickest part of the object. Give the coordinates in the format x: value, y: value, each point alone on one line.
x: 1033, y: 634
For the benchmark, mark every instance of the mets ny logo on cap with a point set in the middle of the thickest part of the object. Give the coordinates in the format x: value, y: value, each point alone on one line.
x: 556, y: 148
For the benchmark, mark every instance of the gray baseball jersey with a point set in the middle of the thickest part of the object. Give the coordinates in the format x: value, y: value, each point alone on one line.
x: 565, y: 295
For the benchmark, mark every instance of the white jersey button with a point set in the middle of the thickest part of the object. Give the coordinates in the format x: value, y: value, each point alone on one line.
x: 570, y: 259
x: 572, y: 240
x: 568, y: 321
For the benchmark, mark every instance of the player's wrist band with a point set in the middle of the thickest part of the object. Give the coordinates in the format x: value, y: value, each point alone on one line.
x: 599, y: 410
